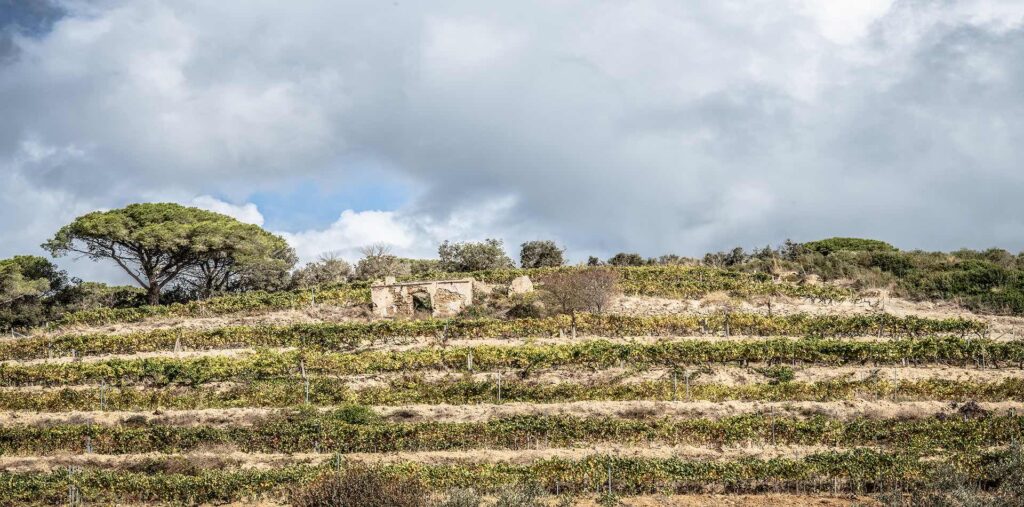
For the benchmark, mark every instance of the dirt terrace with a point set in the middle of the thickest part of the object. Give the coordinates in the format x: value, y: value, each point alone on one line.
x: 842, y: 410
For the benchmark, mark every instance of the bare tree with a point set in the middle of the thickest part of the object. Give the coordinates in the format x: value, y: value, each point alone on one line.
x: 378, y: 262
x: 584, y: 290
x: 329, y: 269
x: 723, y: 302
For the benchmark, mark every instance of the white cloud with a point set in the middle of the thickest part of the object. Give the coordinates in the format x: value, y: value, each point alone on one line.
x: 453, y: 46
x: 646, y: 125
x: 352, y: 230
x: 247, y: 212
x: 405, y: 232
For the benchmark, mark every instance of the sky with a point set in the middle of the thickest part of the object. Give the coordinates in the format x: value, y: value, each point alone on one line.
x: 624, y: 125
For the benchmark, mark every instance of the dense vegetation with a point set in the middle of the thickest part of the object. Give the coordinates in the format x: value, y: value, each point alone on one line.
x: 990, y: 280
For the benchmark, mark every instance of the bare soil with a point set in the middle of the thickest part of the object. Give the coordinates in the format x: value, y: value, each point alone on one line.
x: 1003, y: 327
x: 220, y: 457
x: 308, y: 315
x: 842, y: 410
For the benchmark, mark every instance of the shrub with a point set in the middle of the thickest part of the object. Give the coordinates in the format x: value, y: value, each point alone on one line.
x: 462, y: 257
x: 777, y: 374
x: 461, y: 497
x: 361, y: 487
x: 519, y: 496
x: 541, y: 254
x: 356, y: 414
x: 627, y: 259
x: 328, y: 270
x: 377, y: 262
x: 525, y: 306
x: 570, y: 292
x: 830, y: 245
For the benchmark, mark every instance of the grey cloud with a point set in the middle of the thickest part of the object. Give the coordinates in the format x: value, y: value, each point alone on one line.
x: 647, y: 125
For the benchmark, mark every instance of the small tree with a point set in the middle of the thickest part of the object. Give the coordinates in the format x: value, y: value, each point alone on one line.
x: 154, y: 242
x: 461, y: 257
x: 541, y: 254
x: 30, y: 289
x: 16, y: 282
x: 329, y: 269
x: 584, y: 290
x: 377, y: 262
x: 627, y: 259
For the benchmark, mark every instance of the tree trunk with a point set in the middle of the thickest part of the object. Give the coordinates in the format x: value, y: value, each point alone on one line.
x: 153, y: 294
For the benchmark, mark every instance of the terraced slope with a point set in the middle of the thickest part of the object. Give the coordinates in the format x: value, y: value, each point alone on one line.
x: 821, y: 407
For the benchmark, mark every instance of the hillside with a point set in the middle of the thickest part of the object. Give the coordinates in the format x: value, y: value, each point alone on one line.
x: 691, y: 388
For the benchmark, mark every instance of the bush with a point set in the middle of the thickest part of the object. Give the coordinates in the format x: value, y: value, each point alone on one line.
x: 461, y: 498
x: 525, y: 306
x: 520, y: 496
x: 777, y: 374
x: 627, y: 259
x: 830, y: 245
x: 377, y: 262
x: 329, y: 270
x: 541, y: 254
x: 356, y: 414
x: 361, y: 487
x: 587, y: 290
x: 462, y: 257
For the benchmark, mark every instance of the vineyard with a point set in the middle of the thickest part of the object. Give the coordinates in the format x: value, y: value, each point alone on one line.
x: 667, y: 281
x: 865, y: 409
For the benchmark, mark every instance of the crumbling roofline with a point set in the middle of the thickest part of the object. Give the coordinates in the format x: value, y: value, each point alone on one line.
x: 424, y: 282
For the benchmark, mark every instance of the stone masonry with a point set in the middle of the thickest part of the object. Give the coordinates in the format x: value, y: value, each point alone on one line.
x: 445, y: 298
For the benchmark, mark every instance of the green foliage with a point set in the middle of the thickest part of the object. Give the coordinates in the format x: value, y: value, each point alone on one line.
x: 627, y: 259
x: 832, y: 245
x: 986, y: 281
x: 156, y: 242
x: 541, y: 254
x: 22, y: 283
x: 17, y: 281
x: 777, y: 373
x: 355, y: 414
x: 328, y: 270
x: 378, y: 262
x: 461, y: 257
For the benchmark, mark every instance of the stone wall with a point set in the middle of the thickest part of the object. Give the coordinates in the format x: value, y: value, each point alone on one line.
x: 446, y: 298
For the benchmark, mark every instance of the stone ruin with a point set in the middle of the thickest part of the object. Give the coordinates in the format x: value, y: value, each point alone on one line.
x: 444, y: 298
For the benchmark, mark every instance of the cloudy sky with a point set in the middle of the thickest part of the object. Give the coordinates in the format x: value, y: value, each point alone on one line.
x: 650, y: 126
